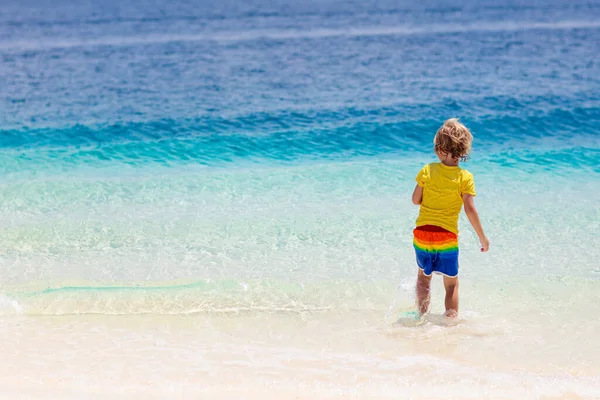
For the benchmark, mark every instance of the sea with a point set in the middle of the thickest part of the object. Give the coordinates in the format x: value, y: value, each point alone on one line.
x: 204, y: 199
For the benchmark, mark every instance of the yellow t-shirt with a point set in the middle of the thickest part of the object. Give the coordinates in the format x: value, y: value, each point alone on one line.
x: 443, y: 187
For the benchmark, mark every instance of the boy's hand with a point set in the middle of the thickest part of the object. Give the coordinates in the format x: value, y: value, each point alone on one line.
x: 485, y: 244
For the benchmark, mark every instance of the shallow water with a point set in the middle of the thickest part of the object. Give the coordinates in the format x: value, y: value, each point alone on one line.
x: 213, y: 199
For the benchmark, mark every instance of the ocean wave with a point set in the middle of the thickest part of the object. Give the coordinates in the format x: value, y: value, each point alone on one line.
x: 512, y: 119
x: 294, y: 136
x: 199, y: 297
x: 293, y: 34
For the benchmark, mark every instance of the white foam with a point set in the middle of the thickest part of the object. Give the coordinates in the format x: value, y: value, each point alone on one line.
x: 242, y: 36
x: 9, y: 306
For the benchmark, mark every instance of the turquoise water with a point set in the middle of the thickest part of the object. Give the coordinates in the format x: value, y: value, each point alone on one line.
x: 257, y: 158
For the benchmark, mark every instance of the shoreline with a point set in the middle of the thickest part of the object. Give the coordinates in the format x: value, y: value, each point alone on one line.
x: 319, y: 356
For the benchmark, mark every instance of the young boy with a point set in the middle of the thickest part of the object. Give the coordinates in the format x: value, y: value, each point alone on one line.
x: 442, y: 189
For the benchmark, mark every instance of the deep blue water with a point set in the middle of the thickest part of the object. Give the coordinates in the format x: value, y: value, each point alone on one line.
x: 218, y: 84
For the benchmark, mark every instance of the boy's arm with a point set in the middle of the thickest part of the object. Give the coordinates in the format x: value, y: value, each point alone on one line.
x: 417, y: 197
x: 471, y: 212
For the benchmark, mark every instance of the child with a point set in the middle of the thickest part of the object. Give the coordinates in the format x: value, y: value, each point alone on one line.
x: 441, y: 190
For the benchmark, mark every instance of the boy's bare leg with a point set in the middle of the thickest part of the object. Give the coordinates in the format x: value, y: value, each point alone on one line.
x: 423, y: 291
x: 451, y: 286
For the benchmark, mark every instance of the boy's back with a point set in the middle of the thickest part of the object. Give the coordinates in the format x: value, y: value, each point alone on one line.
x: 443, y: 190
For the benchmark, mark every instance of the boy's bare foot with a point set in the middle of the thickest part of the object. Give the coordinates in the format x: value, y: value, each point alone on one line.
x: 451, y: 314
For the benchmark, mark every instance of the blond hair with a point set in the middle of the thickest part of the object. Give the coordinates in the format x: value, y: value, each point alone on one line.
x: 453, y: 138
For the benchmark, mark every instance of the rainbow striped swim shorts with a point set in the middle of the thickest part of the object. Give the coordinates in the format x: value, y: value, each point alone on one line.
x: 437, y: 250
